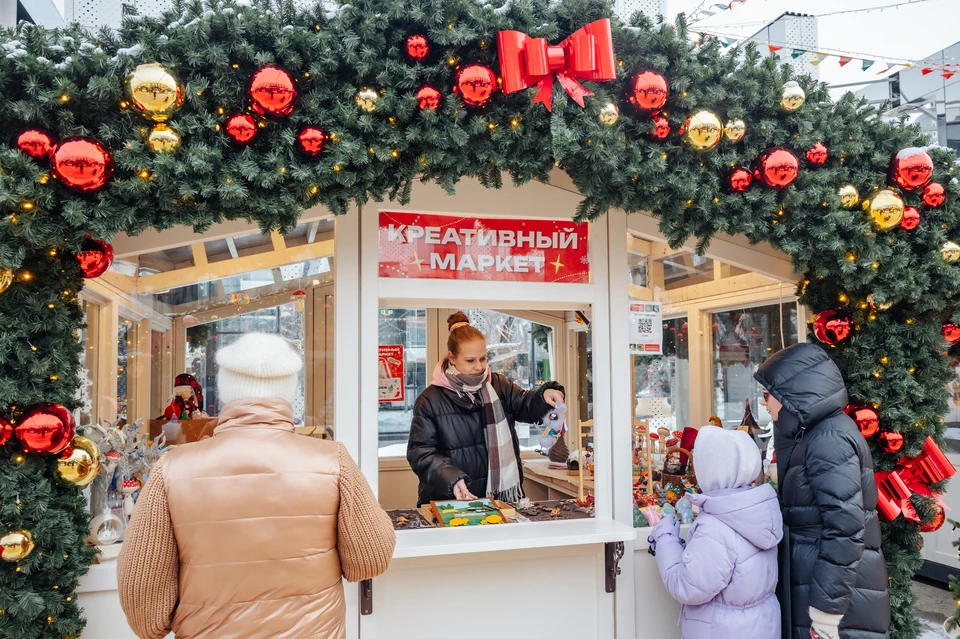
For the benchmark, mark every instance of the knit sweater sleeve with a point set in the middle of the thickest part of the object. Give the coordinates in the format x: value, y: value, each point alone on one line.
x: 148, y: 568
x: 365, y: 539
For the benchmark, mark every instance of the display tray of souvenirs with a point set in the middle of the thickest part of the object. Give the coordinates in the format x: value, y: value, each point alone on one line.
x: 485, y: 512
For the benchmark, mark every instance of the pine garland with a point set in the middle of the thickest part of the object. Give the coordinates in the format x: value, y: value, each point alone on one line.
x: 70, y: 82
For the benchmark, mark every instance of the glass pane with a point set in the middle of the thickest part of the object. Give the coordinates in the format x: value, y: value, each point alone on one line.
x: 637, y: 269
x: 662, y: 383
x: 87, y: 392
x: 742, y: 340
x: 406, y: 327
x: 125, y: 347
x: 686, y: 269
x: 952, y: 419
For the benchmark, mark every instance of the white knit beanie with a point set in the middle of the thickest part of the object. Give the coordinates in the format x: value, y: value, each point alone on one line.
x: 725, y: 459
x: 258, y: 365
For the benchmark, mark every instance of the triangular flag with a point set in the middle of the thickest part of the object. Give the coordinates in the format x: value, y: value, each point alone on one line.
x: 722, y: 7
x: 866, y: 65
x: 820, y: 58
x: 949, y: 74
x: 774, y: 48
x: 926, y: 71
x: 844, y: 59
x: 887, y: 67
x: 796, y: 53
x: 726, y: 42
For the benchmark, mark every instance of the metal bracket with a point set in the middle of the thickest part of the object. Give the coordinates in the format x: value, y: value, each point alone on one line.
x: 613, y: 553
x: 366, y: 597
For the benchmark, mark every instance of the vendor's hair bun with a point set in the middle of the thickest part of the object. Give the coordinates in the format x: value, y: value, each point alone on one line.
x: 461, y: 332
x: 457, y: 318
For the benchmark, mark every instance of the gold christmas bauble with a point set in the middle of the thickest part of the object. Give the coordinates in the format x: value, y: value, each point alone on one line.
x: 880, y: 306
x: 735, y: 130
x: 950, y: 252
x: 16, y: 545
x: 702, y: 130
x: 80, y: 463
x: 849, y: 196
x: 885, y: 209
x: 155, y: 91
x: 793, y: 96
x: 367, y: 99
x: 609, y: 114
x: 6, y: 279
x: 163, y: 139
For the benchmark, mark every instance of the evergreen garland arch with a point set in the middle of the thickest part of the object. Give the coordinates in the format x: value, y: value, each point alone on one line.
x: 70, y: 82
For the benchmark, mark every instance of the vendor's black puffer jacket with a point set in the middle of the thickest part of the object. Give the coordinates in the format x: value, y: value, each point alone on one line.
x: 448, y: 435
x: 829, y: 500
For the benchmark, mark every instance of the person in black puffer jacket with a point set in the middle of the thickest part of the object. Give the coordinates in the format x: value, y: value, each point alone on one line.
x: 833, y: 577
x: 463, y: 442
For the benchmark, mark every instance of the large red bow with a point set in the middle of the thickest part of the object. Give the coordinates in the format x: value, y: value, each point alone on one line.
x: 913, y: 475
x: 586, y: 55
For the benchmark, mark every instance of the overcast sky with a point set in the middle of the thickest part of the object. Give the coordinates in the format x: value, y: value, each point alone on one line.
x: 912, y: 31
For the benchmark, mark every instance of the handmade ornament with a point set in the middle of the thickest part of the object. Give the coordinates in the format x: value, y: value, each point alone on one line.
x: 849, y: 197
x: 934, y: 195
x: 684, y: 511
x: 6, y: 431
x: 272, y: 91
x: 429, y: 98
x: 660, y: 130
x: 646, y: 92
x: 866, y: 418
x: 367, y: 99
x: 739, y: 180
x: 885, y: 209
x: 107, y: 528
x: 911, y: 169
x: 82, y: 164
x: 951, y: 333
x: 242, y: 128
x: 16, y: 545
x: 80, y: 462
x: 186, y: 402
x: 95, y: 257
x: 735, y: 130
x: 475, y: 84
x: 935, y: 524
x: 299, y: 295
x: 587, y: 54
x: 610, y: 114
x: 36, y: 143
x: 130, y: 486
x: 6, y: 279
x: 45, y: 428
x: 792, y: 97
x: 155, y: 91
x: 910, y: 219
x: 554, y: 426
x: 833, y: 326
x: 891, y: 442
x: 652, y: 514
x: 417, y: 47
x: 950, y: 251
x: 702, y: 131
x: 817, y: 154
x: 777, y: 168
x: 310, y: 141
x: 163, y: 139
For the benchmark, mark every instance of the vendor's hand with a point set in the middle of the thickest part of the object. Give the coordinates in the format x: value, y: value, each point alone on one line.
x: 667, y: 526
x: 461, y: 493
x: 553, y: 397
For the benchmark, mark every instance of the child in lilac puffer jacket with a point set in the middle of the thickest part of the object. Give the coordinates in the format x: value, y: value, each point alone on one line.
x: 726, y: 575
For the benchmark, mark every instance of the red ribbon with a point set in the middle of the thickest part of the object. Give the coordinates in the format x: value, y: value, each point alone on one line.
x: 913, y: 475
x: 586, y: 55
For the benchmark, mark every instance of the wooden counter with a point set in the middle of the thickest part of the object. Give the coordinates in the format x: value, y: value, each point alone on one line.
x: 542, y: 483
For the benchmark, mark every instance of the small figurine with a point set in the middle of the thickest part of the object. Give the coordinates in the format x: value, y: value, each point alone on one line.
x: 130, y: 486
x: 554, y: 426
x: 668, y: 510
x: 639, y: 521
x: 685, y: 511
x: 187, y: 399
x: 652, y: 514
x: 555, y: 512
x: 402, y: 521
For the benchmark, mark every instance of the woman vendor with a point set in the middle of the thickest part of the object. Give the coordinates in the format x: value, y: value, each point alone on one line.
x: 463, y: 441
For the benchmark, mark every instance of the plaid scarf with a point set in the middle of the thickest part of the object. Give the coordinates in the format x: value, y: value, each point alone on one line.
x: 503, y: 467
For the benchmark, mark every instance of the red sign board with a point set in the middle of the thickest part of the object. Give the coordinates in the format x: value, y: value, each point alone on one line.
x: 428, y: 246
x: 390, y: 373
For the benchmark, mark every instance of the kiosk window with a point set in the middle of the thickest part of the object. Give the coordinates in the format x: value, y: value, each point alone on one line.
x: 406, y: 329
x: 662, y: 383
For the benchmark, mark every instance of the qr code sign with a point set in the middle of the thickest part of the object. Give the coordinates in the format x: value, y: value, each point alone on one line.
x: 645, y: 325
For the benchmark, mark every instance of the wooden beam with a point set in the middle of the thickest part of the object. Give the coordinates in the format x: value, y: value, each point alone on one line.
x: 218, y: 270
x: 721, y: 287
x: 199, y: 251
x: 279, y: 243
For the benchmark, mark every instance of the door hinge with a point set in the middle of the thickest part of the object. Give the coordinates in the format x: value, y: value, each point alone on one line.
x: 366, y: 597
x: 613, y: 553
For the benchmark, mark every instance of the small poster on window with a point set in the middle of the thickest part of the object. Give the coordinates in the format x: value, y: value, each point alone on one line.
x: 391, y: 373
x: 646, y: 328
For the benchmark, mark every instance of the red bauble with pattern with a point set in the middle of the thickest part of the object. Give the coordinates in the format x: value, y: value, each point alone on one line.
x: 475, y: 84
x: 242, y: 128
x: 272, y: 91
x: 82, y: 164
x: 891, y: 442
x: 817, y: 154
x: 36, y: 143
x: 311, y: 140
x: 777, y: 168
x: 934, y: 195
x: 429, y: 98
x: 46, y: 428
x: 739, y: 180
x: 417, y: 47
x: 911, y: 169
x: 660, y: 130
x: 95, y: 257
x: 939, y: 517
x: 951, y: 333
x: 910, y: 219
x: 646, y: 92
x: 866, y: 418
x: 833, y: 326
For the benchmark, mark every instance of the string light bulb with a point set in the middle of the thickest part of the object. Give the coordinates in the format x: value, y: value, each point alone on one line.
x: 26, y: 205
x: 64, y: 98
x: 144, y: 174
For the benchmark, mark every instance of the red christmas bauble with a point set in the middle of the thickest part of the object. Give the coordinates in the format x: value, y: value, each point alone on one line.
x: 951, y: 333
x: 475, y: 84
x: 910, y: 219
x: 660, y: 130
x: 891, y: 442
x: 95, y: 257
x: 934, y: 195
x: 817, y: 154
x: 6, y: 431
x: 311, y: 140
x: 911, y: 169
x: 46, y: 428
x: 429, y: 98
x: 866, y: 418
x: 242, y: 128
x: 82, y: 164
x: 35, y: 143
x: 417, y: 47
x: 777, y: 168
x: 939, y: 517
x: 272, y: 91
x: 833, y: 326
x: 646, y: 92
x: 739, y: 180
